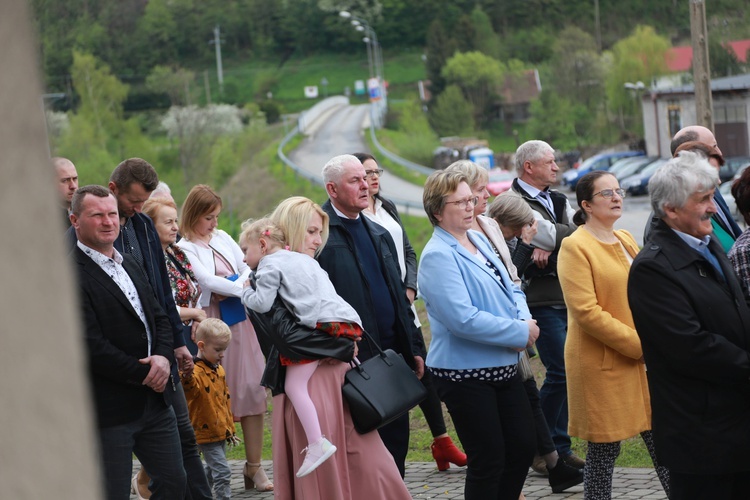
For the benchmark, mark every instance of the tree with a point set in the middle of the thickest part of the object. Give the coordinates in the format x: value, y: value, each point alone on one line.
x: 196, y: 130
x: 722, y: 58
x: 452, y: 114
x: 101, y: 96
x: 551, y: 121
x: 465, y: 40
x: 485, y: 38
x: 439, y: 49
x: 478, y: 76
x: 175, y: 82
x: 639, y: 57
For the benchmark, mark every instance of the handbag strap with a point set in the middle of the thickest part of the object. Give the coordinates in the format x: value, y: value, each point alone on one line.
x: 354, y: 363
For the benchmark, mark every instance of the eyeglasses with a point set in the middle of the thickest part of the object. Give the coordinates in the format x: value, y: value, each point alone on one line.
x: 609, y: 193
x: 370, y: 173
x: 462, y: 204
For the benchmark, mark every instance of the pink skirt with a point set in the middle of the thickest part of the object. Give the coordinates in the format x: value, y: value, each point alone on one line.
x: 362, y: 468
x: 244, y: 364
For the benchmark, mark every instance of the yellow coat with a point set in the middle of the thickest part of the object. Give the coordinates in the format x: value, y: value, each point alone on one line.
x: 608, y: 397
x: 207, y: 396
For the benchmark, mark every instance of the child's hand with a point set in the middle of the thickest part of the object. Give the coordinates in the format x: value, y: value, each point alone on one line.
x: 233, y: 441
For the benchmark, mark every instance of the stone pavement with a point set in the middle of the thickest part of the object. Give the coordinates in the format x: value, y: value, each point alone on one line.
x: 424, y: 481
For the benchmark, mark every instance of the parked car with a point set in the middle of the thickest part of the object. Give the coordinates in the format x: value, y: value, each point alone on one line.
x: 634, y: 167
x: 500, y: 181
x: 601, y: 161
x: 733, y: 167
x: 626, y: 164
x: 726, y: 191
x: 638, y: 183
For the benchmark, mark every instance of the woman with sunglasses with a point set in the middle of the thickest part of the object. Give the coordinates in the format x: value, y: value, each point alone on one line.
x: 608, y: 398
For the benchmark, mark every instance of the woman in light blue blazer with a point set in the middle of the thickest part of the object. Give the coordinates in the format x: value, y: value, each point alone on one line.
x: 480, y: 323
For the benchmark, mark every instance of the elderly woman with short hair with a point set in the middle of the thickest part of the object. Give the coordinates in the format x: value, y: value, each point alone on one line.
x: 516, y: 222
x: 479, y: 322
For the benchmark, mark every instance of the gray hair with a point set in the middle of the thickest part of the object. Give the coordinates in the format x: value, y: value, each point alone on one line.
x: 509, y: 209
x: 334, y: 168
x: 679, y: 178
x: 162, y: 190
x: 531, y: 151
x: 474, y: 173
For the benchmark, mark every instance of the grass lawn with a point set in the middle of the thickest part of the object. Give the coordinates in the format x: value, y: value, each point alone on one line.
x: 248, y: 80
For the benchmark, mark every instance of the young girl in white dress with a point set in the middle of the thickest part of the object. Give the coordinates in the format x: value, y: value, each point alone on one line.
x: 307, y: 292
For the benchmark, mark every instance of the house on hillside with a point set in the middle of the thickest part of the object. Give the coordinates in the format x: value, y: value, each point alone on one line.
x: 516, y: 94
x: 667, y: 110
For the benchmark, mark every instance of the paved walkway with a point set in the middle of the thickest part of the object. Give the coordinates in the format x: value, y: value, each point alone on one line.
x: 424, y: 481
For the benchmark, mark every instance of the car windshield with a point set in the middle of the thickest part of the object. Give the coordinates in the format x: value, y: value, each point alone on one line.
x: 634, y: 167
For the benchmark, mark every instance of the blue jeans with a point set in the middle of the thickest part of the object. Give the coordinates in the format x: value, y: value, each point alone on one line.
x: 218, y: 468
x: 155, y: 441
x: 553, y: 326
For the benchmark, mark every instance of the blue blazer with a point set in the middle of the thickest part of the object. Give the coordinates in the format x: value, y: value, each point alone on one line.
x: 476, y: 319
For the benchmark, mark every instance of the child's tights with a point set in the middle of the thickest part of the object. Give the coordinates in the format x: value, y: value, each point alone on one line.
x: 295, y: 387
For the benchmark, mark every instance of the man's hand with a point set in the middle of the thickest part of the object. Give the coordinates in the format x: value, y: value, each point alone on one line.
x: 419, y: 366
x: 528, y: 232
x: 184, y: 360
x: 159, y: 374
x: 540, y: 257
x: 411, y: 295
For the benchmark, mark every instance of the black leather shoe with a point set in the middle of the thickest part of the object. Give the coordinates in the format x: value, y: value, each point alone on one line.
x: 564, y: 476
x: 574, y: 461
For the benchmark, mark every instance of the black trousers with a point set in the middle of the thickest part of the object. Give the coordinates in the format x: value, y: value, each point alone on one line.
x: 496, y: 427
x: 690, y: 486
x: 544, y: 443
x: 431, y: 407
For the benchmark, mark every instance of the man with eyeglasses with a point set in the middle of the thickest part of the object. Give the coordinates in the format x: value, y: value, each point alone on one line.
x: 537, y: 172
x: 360, y: 259
x: 701, y: 140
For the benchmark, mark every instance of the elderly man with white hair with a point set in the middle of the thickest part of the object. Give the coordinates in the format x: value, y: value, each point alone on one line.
x: 694, y: 325
x: 361, y: 261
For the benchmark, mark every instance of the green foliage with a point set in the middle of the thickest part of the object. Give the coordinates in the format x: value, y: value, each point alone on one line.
x: 485, y: 38
x: 639, y: 57
x: 477, y: 75
x: 413, y: 138
x: 722, y: 59
x: 272, y: 109
x: 551, y: 120
x: 173, y: 81
x: 452, y: 114
x: 439, y: 48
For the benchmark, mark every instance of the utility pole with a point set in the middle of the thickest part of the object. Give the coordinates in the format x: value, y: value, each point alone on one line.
x: 598, y: 27
x: 704, y: 111
x: 219, y: 70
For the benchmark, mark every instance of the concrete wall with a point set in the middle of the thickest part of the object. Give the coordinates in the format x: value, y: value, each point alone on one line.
x: 47, y: 446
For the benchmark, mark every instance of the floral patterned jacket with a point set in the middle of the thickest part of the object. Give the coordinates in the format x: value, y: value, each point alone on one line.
x: 185, y: 288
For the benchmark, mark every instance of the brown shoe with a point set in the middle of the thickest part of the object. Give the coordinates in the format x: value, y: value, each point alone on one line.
x: 539, y: 466
x: 574, y: 461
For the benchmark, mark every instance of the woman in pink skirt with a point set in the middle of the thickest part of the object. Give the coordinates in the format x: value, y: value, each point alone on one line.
x: 362, y: 467
x: 215, y: 257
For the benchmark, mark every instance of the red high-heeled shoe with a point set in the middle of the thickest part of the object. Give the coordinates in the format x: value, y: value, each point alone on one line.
x: 445, y: 453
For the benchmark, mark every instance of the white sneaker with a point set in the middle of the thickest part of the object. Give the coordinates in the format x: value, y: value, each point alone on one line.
x: 317, y: 453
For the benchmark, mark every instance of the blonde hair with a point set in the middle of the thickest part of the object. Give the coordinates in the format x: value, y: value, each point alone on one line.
x: 213, y: 329
x: 152, y: 205
x: 262, y: 229
x: 475, y: 174
x: 201, y: 200
x: 293, y: 216
x: 439, y: 185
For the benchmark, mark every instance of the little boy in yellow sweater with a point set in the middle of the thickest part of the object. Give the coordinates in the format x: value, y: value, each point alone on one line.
x: 207, y: 396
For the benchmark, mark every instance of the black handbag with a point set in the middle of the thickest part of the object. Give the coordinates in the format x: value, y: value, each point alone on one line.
x: 381, y: 389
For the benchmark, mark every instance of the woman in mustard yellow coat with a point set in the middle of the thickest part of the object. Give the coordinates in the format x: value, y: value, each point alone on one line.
x: 608, y: 398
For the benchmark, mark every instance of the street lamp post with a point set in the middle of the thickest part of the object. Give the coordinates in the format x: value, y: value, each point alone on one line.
x: 375, y: 62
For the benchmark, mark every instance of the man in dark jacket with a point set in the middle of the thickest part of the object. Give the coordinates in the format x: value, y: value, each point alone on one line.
x: 537, y: 172
x: 694, y: 325
x: 129, y: 349
x: 361, y: 261
x: 131, y: 182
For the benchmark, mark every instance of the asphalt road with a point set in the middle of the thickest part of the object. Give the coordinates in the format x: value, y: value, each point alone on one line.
x: 342, y: 129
